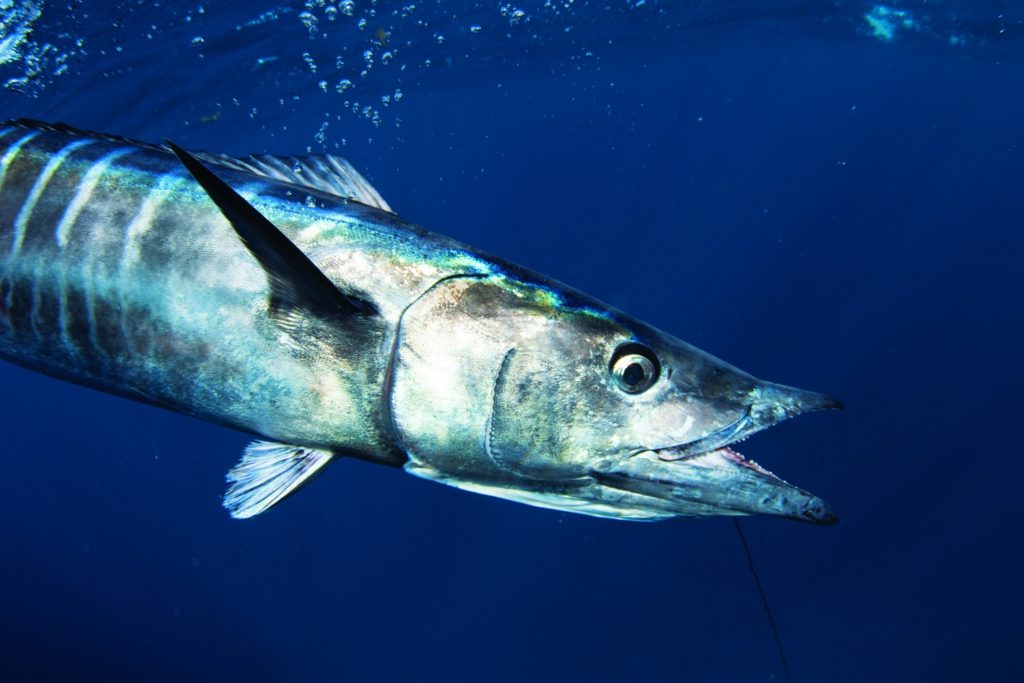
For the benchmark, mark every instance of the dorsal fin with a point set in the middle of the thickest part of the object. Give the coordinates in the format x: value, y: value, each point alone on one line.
x: 327, y: 175
x: 295, y: 281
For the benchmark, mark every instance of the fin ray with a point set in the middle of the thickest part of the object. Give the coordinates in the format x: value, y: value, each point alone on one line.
x: 328, y: 175
x: 268, y: 473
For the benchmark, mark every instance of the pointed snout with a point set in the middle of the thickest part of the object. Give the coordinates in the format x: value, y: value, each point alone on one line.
x: 773, y: 403
x: 817, y: 511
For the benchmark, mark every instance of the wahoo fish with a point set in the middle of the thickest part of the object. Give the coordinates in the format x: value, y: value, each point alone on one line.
x: 283, y: 297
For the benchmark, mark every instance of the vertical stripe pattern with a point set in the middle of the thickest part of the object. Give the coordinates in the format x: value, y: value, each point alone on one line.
x: 21, y: 222
x: 143, y: 220
x: 84, y: 194
x: 11, y: 153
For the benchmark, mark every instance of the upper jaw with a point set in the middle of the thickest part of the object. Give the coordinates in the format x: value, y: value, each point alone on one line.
x: 769, y: 404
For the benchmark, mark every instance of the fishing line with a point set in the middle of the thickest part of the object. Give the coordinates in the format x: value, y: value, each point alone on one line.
x: 764, y: 600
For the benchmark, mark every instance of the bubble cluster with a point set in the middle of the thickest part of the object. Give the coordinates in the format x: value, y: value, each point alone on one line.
x: 28, y: 65
x: 363, y: 59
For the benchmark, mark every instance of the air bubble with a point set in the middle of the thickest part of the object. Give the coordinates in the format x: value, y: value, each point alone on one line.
x: 309, y: 20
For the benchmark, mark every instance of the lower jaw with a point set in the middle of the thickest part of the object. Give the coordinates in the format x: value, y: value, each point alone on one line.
x: 717, y: 482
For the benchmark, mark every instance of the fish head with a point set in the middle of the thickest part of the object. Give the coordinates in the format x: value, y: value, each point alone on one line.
x: 580, y: 407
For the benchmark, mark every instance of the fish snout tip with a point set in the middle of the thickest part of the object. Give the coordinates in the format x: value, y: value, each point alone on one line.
x: 792, y: 401
x: 831, y: 403
x: 819, y: 513
x: 812, y: 402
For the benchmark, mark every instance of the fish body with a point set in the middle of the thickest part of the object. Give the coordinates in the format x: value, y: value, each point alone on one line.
x: 283, y: 297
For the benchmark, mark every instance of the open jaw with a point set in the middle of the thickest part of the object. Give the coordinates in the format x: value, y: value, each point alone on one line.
x: 708, y: 477
x: 717, y: 482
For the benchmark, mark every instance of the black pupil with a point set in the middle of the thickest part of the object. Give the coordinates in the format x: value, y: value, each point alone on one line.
x: 634, y: 374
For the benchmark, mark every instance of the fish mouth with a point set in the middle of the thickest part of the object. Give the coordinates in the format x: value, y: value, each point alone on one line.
x: 734, y: 432
x: 708, y: 477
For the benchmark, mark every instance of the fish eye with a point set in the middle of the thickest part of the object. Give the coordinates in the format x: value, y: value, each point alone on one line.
x: 634, y: 368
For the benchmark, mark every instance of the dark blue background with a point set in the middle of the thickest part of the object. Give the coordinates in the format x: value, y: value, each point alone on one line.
x: 818, y: 207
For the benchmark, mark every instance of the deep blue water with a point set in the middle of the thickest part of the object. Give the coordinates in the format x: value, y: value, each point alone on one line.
x: 828, y: 195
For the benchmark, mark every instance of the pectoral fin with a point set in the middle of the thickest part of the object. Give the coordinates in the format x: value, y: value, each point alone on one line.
x: 295, y: 281
x: 269, y: 472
